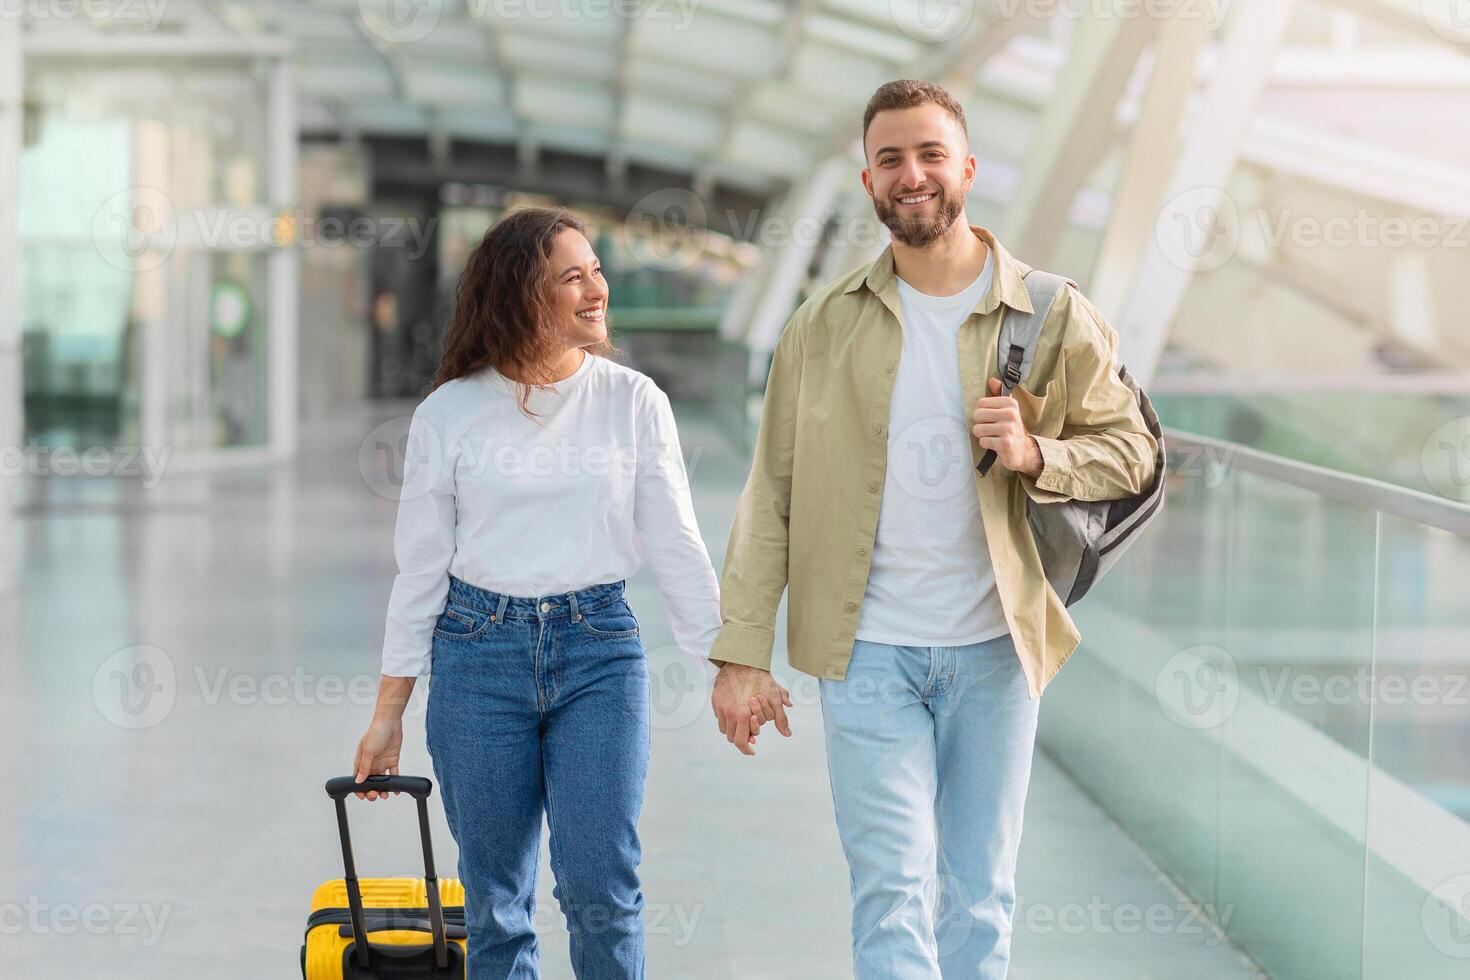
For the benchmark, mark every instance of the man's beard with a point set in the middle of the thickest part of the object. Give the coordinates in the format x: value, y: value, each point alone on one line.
x: 918, y: 231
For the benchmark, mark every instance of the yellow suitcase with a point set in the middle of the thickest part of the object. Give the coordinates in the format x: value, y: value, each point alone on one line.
x: 415, y: 927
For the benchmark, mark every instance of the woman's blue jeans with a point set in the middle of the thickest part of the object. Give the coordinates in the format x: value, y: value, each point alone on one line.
x: 543, y: 702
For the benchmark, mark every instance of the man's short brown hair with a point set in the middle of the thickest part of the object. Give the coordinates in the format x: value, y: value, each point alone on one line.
x: 906, y: 93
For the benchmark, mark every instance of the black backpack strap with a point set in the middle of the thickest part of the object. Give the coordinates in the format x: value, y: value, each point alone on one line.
x: 1019, y: 335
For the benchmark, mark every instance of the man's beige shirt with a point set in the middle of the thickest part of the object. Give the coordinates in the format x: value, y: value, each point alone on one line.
x: 807, y: 516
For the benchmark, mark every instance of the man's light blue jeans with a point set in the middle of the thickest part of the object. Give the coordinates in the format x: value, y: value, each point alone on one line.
x: 929, y: 753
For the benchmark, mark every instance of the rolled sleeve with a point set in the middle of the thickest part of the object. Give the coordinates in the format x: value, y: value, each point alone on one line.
x: 1052, y: 485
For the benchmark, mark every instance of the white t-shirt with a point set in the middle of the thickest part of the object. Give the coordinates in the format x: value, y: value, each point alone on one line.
x: 931, y: 582
x: 529, y: 509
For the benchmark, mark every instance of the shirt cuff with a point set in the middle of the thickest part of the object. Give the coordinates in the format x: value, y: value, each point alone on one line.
x: 739, y: 644
x: 398, y: 662
x: 711, y: 671
x: 1054, y: 485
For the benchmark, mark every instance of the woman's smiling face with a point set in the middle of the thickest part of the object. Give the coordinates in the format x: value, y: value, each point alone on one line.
x: 580, y: 291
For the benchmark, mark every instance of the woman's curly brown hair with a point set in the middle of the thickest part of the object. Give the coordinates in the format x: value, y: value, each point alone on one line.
x: 504, y: 315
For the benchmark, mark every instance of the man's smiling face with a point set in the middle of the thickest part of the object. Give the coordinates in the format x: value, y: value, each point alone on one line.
x: 919, y: 169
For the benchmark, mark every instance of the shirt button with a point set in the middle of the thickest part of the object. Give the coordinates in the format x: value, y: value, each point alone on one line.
x: 851, y: 607
x: 545, y: 606
x: 872, y: 488
x: 888, y: 369
x: 877, y: 430
x: 862, y: 549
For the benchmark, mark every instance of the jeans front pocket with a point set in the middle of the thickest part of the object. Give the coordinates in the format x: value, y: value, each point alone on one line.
x: 461, y: 623
x: 610, y: 622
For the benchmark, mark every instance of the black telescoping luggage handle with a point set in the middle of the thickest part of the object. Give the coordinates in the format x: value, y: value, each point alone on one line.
x: 415, y: 786
x: 419, y: 788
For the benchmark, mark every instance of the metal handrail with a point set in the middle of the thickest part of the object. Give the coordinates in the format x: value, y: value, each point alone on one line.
x: 1411, y: 505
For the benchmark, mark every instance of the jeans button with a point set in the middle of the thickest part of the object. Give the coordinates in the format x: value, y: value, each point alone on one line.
x: 545, y: 606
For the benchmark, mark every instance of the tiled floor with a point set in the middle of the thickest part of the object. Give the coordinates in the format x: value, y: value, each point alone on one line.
x: 163, y: 814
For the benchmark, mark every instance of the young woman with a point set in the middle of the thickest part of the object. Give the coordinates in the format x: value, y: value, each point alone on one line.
x: 539, y: 476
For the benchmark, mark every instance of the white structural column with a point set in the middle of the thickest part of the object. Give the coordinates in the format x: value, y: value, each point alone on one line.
x: 862, y: 235
x: 1073, y: 131
x: 1414, y: 318
x: 1196, y: 188
x: 1153, y: 147
x: 801, y: 220
x: 11, y: 398
x: 859, y: 236
x: 283, y: 265
x: 735, y: 320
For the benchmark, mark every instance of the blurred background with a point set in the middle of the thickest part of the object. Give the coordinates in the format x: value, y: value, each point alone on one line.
x: 230, y: 233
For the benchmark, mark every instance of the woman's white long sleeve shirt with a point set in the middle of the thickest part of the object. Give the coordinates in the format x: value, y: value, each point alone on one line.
x: 527, y: 508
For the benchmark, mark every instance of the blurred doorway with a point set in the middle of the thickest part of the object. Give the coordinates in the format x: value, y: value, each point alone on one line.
x: 158, y: 254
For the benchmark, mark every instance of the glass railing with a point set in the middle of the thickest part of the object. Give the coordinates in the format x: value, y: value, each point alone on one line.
x: 1272, y: 697
x: 1416, y: 440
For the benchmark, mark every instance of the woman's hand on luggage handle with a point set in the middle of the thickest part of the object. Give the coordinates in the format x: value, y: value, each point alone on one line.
x: 377, y: 751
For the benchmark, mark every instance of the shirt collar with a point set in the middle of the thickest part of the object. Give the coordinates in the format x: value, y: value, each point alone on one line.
x: 1006, y: 284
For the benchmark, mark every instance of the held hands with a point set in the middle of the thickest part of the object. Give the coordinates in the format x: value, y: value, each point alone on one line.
x: 998, y: 426
x: 745, y: 698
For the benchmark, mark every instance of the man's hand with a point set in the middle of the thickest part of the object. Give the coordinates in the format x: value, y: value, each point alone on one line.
x: 998, y: 426
x: 743, y: 698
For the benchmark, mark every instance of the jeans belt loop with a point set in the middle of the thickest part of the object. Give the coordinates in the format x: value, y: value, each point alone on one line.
x: 572, y: 602
x: 499, y: 614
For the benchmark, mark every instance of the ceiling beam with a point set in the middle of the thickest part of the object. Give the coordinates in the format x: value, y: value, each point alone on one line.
x: 1152, y: 148
x: 390, y: 57
x: 1255, y: 32
x: 793, y: 29
x: 1074, y: 130
x: 953, y: 64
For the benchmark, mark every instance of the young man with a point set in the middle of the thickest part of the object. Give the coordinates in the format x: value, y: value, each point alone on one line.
x: 917, y: 594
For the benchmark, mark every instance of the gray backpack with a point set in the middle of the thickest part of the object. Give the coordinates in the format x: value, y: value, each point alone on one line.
x: 1078, y: 540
